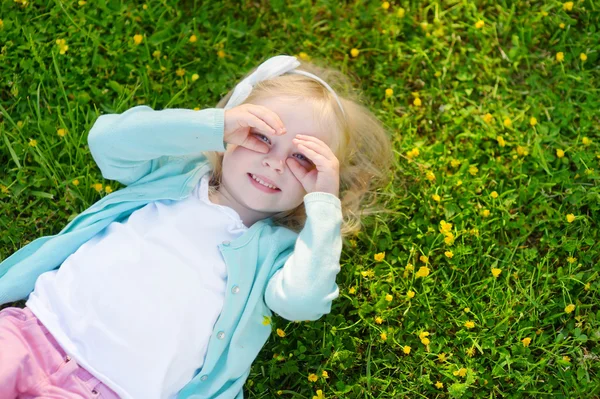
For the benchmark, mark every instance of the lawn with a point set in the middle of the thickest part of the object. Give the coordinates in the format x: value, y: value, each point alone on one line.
x: 482, y: 281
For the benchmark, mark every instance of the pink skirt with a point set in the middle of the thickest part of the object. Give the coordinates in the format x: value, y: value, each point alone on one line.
x: 33, y: 365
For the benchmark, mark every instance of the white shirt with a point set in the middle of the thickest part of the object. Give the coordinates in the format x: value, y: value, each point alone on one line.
x: 147, y: 341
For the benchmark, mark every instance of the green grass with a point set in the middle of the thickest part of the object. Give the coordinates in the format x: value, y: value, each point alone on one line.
x: 507, y: 68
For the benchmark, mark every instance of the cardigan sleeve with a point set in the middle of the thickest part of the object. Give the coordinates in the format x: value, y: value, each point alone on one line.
x: 305, y: 287
x: 127, y: 146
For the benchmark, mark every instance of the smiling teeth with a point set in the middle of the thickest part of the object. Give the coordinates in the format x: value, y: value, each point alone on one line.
x: 263, y: 183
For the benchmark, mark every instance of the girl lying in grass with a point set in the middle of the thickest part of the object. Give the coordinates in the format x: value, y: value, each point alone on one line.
x: 165, y: 288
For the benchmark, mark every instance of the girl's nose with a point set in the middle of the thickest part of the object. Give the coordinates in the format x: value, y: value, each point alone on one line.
x: 277, y: 165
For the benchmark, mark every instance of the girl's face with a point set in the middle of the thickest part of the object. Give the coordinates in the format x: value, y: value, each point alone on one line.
x: 246, y: 196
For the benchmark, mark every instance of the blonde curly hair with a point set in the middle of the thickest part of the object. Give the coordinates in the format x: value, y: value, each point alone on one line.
x: 363, y: 146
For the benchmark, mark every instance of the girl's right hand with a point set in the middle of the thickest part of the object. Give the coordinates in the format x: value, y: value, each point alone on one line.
x: 240, y: 119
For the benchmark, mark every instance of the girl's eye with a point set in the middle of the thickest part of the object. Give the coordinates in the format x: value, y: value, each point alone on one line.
x: 304, y: 158
x: 263, y: 136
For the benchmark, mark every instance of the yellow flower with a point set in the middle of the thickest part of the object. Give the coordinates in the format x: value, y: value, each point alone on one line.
x: 180, y: 72
x: 75, y: 182
x: 532, y: 121
x: 507, y: 122
x: 354, y: 52
x: 379, y: 257
x: 561, y: 25
x: 488, y: 118
x: 436, y: 197
x: 442, y: 357
x: 422, y: 272
x: 425, y: 341
x: 586, y: 141
x: 501, y: 141
x: 61, y: 132
x: 423, y: 334
x: 566, y: 358
x: 569, y: 308
x: 193, y: 39
x: 461, y: 372
x: 417, y: 102
x: 352, y: 290
x: 473, y: 170
x: 410, y: 294
x: 571, y: 259
x: 195, y: 77
x: 81, y: 2
x: 496, y: 272
x: 437, y: 74
x: 4, y: 189
x: 266, y: 320
x: 470, y: 351
x: 319, y: 395
x: 389, y: 297
x: 221, y: 54
x: 439, y: 385
x: 303, y: 56
x: 389, y: 92
x: 383, y: 336
x: 156, y: 54
x: 568, y: 6
x: 406, y: 349
x: 560, y: 153
x: 485, y: 213
x: 449, y: 254
x: 469, y: 324
x: 445, y: 227
x: 494, y: 194
x: 137, y: 39
x: 368, y: 273
x: 312, y: 377
x: 560, y: 56
x: 430, y: 176
x: 466, y: 310
x: 479, y: 24
x: 280, y: 391
x: 378, y: 320
x: 325, y: 375
x: 108, y: 189
x: 449, y: 239
x: 401, y: 11
x: 570, y: 218
x: 424, y: 258
x: 145, y: 6
x: 424, y: 25
x: 409, y: 267
x: 97, y: 187
x: 280, y: 332
x: 526, y: 341
x: 32, y: 142
x: 385, y: 5
x: 1, y: 24
x: 583, y: 56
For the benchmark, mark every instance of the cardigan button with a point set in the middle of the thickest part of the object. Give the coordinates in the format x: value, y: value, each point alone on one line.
x: 226, y: 243
x: 221, y: 335
x: 235, y: 289
x: 203, y: 378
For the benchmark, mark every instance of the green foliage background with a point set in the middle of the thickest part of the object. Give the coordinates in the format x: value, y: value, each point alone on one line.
x: 460, y: 71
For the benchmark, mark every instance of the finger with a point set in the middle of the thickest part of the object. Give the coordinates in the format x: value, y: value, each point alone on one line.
x: 314, y: 156
x: 317, y: 145
x: 315, y: 151
x: 260, y: 125
x: 255, y: 144
x: 270, y: 117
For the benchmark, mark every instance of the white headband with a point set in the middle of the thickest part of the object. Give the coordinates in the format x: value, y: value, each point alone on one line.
x: 274, y: 66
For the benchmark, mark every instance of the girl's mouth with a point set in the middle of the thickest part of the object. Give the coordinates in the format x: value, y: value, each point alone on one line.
x: 261, y: 186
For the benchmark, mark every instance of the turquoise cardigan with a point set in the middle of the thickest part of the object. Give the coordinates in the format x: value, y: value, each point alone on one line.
x: 157, y: 155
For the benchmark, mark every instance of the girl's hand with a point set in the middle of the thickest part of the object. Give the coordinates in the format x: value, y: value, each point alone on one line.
x: 240, y: 119
x: 325, y: 177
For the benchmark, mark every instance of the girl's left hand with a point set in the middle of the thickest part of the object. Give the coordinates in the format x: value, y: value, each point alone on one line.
x: 325, y: 177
